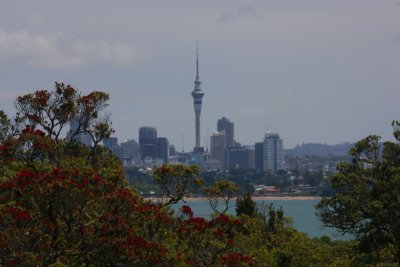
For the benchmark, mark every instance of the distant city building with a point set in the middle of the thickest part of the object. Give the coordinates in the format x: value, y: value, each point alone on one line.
x: 76, y: 134
x: 240, y: 157
x: 226, y: 125
x: 110, y: 142
x: 163, y: 149
x: 197, y: 95
x: 131, y: 153
x: 259, y: 151
x: 148, y: 142
x: 172, y: 150
x: 212, y: 164
x: 252, y: 157
x: 112, y: 145
x: 218, y: 149
x: 272, y: 152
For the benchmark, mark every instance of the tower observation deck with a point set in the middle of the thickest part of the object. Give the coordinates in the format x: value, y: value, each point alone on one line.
x: 197, y: 95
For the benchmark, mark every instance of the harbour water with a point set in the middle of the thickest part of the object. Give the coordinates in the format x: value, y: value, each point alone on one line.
x: 302, y: 213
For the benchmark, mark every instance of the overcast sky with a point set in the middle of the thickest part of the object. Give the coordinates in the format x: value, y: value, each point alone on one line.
x: 311, y: 70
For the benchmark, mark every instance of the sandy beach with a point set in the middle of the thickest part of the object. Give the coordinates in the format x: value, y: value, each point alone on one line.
x: 196, y: 199
x: 192, y: 199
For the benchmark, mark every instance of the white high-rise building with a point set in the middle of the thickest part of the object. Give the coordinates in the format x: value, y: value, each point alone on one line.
x: 218, y: 148
x: 272, y: 152
x: 76, y: 132
x: 226, y: 125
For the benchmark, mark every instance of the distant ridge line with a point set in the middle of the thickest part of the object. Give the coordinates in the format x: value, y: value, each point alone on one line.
x: 316, y: 149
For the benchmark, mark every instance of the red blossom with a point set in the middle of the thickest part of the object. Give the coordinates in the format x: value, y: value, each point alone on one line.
x: 99, y: 179
x: 219, y: 233
x: 41, y: 98
x: 187, y: 211
x: 222, y: 219
x: 145, y: 208
x: 237, y: 222
x: 18, y: 214
x: 237, y: 259
x: 199, y: 223
x: 39, y: 132
x: 28, y: 129
x: 4, y: 147
x: 56, y: 171
x: 69, y: 90
x: 138, y: 243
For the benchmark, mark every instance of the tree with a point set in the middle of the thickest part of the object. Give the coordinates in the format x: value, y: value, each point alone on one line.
x: 176, y: 181
x: 66, y: 203
x: 245, y: 205
x: 221, y: 191
x: 367, y: 199
x: 63, y: 203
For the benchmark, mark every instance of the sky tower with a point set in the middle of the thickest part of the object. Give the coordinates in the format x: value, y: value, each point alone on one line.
x: 197, y: 101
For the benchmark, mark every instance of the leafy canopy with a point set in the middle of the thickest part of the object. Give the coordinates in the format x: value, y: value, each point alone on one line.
x: 367, y: 200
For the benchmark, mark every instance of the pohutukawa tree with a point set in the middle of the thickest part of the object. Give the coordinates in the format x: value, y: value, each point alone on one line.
x: 65, y: 203
x: 61, y: 201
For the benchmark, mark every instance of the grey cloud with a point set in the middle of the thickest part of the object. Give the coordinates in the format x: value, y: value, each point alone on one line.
x: 57, y: 51
x: 240, y: 12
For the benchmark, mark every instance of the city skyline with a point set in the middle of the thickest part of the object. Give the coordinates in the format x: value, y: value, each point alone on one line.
x: 323, y: 72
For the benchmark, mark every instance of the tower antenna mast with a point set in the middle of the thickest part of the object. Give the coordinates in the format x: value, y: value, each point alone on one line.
x: 197, y: 95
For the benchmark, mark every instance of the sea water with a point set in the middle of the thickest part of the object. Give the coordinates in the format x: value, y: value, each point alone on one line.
x: 302, y: 213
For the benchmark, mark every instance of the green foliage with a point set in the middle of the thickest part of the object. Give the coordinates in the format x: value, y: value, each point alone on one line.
x: 66, y: 204
x: 245, y: 205
x: 367, y: 201
x: 221, y: 191
x: 175, y: 180
x: 142, y: 181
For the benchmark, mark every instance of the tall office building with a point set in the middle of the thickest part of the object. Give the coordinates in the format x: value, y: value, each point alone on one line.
x: 218, y: 148
x: 130, y: 153
x: 148, y: 142
x: 163, y: 149
x: 259, y: 151
x: 272, y: 152
x: 197, y: 95
x: 226, y: 125
x: 110, y: 142
x: 75, y: 133
x: 112, y: 145
x: 240, y: 157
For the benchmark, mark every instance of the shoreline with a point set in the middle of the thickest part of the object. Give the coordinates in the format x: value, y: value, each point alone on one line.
x: 256, y: 198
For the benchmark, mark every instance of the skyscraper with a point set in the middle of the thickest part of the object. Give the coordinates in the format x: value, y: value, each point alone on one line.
x: 272, y: 152
x: 226, y: 125
x: 197, y: 95
x: 259, y: 151
x: 77, y: 133
x: 130, y: 153
x: 240, y: 157
x: 111, y: 144
x: 218, y: 148
x: 148, y: 142
x: 163, y: 149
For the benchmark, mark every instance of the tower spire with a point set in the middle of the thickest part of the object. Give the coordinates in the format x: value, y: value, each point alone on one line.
x: 197, y: 95
x: 197, y: 60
